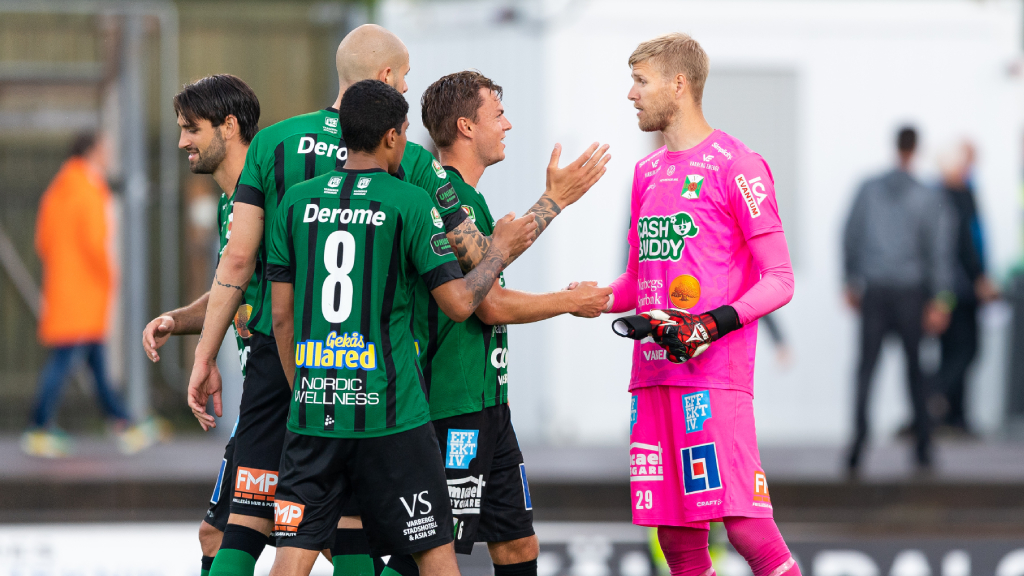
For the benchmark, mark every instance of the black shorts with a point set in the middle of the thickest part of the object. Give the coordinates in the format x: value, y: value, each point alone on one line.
x: 220, y: 507
x: 490, y: 496
x: 397, y: 483
x: 259, y: 435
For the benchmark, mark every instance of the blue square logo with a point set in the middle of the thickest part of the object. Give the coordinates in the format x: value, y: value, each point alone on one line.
x: 461, y: 448
x: 700, y: 469
x: 697, y: 409
x: 632, y: 414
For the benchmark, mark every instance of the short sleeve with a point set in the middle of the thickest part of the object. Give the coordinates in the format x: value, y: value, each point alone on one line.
x: 750, y: 195
x: 423, y: 170
x: 280, y: 267
x: 427, y: 247
x: 250, y: 189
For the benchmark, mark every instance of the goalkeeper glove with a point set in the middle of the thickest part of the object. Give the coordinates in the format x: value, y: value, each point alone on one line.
x: 682, y: 335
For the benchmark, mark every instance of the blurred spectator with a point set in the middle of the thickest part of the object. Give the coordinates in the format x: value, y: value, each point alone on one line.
x: 970, y: 285
x: 898, y: 265
x: 73, y: 236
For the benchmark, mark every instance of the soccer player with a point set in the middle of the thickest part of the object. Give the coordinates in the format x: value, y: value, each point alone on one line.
x: 345, y: 252
x: 280, y: 156
x: 465, y: 363
x: 218, y: 116
x: 707, y: 258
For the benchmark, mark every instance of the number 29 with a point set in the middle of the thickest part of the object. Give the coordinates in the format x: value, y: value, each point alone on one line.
x: 644, y: 499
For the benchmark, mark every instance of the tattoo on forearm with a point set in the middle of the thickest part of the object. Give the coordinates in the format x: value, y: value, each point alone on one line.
x: 480, y: 280
x: 219, y: 283
x: 544, y: 211
x: 469, y: 245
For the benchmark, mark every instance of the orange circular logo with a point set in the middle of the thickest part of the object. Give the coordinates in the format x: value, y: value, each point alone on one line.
x: 684, y: 291
x: 242, y: 321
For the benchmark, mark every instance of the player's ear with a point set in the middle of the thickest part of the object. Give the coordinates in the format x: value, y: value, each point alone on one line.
x: 385, y: 75
x: 229, y: 129
x: 465, y: 127
x: 391, y: 138
x: 680, y: 84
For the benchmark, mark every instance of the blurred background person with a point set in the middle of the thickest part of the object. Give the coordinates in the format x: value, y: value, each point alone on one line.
x: 897, y: 249
x: 73, y: 240
x: 971, y: 286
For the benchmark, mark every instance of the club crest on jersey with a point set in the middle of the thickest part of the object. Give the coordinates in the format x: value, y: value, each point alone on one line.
x: 663, y: 237
x: 438, y: 169
x: 469, y: 212
x: 692, y: 186
x: 331, y: 125
x: 334, y: 181
x: 339, y: 351
x: 697, y: 409
x: 363, y: 183
x: 700, y: 469
x: 436, y: 217
x: 461, y: 448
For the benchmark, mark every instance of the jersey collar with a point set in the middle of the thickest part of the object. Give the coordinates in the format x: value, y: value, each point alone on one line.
x: 454, y: 170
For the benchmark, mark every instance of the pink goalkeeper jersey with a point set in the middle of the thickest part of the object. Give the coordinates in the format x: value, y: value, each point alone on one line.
x: 692, y: 213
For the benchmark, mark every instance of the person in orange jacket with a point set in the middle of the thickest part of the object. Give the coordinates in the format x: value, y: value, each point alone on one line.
x: 73, y: 240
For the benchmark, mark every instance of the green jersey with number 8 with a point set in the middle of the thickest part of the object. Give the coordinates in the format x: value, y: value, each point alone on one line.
x: 354, y: 244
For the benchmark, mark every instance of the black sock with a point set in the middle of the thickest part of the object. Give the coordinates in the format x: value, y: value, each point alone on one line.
x: 237, y: 537
x: 402, y: 565
x: 207, y: 562
x: 528, y: 568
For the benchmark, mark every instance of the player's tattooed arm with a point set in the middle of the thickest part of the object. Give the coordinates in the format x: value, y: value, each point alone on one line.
x: 480, y: 280
x: 228, y: 285
x: 235, y: 269
x: 184, y: 320
x: 458, y: 299
x: 469, y: 244
x: 544, y: 211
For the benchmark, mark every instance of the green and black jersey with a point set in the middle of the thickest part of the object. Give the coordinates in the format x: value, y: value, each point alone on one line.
x: 225, y: 209
x: 354, y: 244
x: 464, y: 364
x: 306, y: 146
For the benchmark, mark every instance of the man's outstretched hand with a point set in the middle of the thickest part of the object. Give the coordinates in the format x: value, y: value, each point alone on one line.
x: 569, y: 184
x: 205, y: 382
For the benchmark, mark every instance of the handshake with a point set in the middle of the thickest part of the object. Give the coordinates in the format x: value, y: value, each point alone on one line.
x: 682, y: 335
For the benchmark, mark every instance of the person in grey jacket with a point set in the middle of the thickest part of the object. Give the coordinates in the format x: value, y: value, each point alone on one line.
x: 898, y: 261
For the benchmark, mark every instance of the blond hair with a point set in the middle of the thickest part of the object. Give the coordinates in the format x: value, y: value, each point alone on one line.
x: 676, y: 53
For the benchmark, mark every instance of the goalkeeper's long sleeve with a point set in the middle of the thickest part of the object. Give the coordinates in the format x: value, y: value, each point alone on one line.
x: 775, y: 288
x: 624, y: 287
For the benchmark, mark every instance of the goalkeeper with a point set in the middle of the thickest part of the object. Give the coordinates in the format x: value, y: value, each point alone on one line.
x: 707, y: 258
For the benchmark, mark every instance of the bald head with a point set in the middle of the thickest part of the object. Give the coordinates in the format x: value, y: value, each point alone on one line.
x: 372, y: 53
